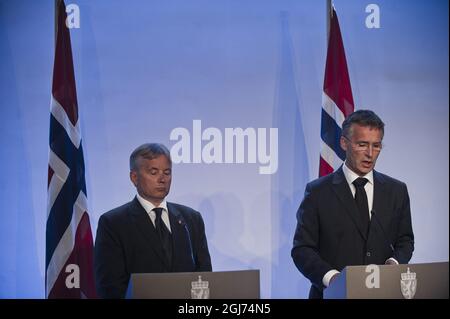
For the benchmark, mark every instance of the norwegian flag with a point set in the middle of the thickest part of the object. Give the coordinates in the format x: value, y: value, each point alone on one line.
x: 69, y: 245
x: 337, y: 100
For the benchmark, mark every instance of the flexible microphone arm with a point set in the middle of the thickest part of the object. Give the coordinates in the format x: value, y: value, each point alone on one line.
x: 189, y: 239
x: 374, y: 216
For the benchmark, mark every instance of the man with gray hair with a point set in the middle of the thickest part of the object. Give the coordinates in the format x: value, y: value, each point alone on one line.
x: 148, y: 234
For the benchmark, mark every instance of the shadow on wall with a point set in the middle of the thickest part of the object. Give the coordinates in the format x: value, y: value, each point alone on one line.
x: 289, y: 182
x: 92, y: 115
x: 20, y: 275
x: 225, y: 225
x: 228, y: 227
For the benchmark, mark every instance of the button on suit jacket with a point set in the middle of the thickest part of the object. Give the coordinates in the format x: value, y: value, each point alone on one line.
x: 127, y: 242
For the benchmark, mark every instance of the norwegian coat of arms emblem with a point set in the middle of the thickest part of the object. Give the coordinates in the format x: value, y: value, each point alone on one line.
x: 408, y: 284
x: 200, y: 289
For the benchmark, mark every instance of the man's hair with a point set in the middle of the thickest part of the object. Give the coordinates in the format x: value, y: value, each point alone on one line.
x: 363, y: 118
x: 148, y: 151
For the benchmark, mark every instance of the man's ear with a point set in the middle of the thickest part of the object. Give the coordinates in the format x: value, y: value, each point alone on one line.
x: 343, y: 143
x: 133, y: 177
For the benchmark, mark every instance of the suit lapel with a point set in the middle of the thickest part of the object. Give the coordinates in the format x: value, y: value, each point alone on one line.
x: 177, y: 226
x: 343, y: 192
x: 147, y: 229
x: 380, y: 195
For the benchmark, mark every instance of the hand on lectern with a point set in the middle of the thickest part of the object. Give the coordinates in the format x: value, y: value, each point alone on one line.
x: 333, y: 278
x: 391, y: 262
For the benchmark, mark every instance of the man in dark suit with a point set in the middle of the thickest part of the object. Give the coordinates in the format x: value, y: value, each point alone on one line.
x: 148, y: 234
x: 354, y: 216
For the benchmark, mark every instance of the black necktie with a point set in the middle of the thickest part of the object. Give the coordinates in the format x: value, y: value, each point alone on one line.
x: 164, y: 234
x: 361, y: 201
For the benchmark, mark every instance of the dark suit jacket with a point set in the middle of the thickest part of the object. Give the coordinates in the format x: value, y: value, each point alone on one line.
x: 330, y: 235
x: 127, y: 243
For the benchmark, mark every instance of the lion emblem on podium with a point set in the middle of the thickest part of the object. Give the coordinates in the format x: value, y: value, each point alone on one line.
x: 200, y: 289
x: 408, y: 284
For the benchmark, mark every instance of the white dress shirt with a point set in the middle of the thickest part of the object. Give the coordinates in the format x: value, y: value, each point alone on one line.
x: 351, y: 176
x: 148, y: 206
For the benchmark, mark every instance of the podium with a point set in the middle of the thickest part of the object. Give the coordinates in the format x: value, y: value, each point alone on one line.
x: 241, y: 284
x: 418, y: 281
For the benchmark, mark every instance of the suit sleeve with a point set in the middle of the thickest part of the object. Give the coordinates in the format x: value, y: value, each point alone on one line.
x: 404, y: 243
x: 111, y: 277
x: 200, y: 245
x: 306, y: 241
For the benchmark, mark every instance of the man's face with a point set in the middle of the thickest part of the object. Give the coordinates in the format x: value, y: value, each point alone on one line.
x: 362, y: 148
x: 152, y: 178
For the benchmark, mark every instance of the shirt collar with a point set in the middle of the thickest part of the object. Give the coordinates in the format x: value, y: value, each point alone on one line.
x: 148, y: 206
x: 350, y: 175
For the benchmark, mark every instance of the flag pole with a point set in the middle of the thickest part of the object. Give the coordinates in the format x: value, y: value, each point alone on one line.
x: 329, y: 14
x: 56, y: 19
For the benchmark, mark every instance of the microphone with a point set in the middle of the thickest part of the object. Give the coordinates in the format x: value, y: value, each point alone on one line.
x: 183, y: 223
x: 374, y: 216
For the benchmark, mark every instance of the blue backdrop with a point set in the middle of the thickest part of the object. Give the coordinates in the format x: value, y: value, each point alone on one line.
x: 146, y: 69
